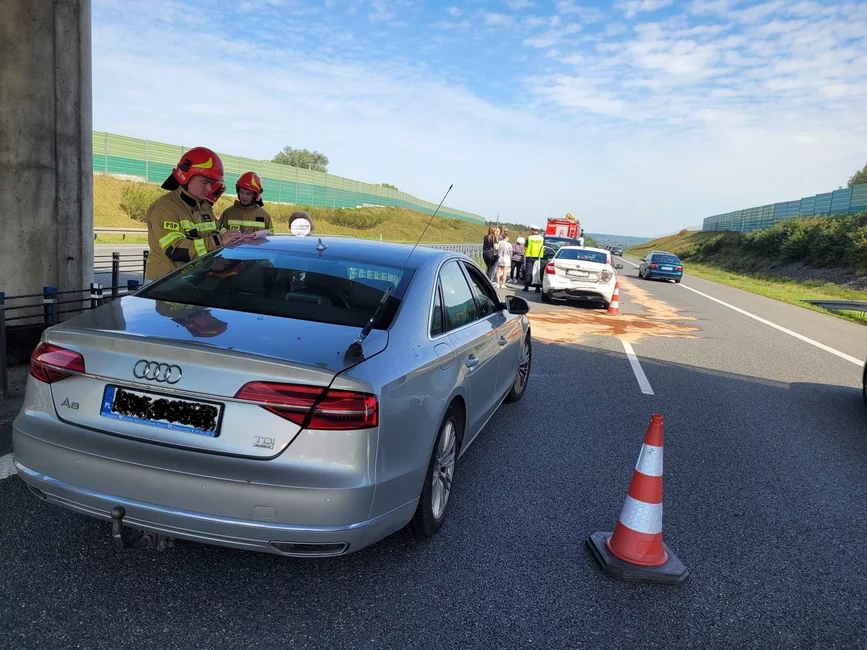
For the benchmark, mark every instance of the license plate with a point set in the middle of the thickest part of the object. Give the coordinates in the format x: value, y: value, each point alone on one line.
x: 579, y: 274
x: 667, y: 268
x: 162, y: 411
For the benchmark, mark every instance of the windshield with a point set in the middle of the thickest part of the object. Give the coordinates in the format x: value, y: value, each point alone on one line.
x: 665, y: 259
x: 286, y: 284
x: 557, y: 242
x: 583, y: 255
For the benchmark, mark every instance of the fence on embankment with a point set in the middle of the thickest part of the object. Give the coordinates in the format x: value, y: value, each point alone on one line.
x: 837, y: 203
x: 153, y: 162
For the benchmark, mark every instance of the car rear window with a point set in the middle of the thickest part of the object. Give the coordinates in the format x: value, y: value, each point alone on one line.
x: 287, y: 284
x: 582, y: 255
x: 665, y: 259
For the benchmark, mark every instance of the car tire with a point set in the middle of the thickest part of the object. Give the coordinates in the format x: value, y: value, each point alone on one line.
x: 864, y: 389
x: 605, y: 305
x: 431, y: 512
x: 545, y: 297
x: 677, y: 281
x: 522, y: 377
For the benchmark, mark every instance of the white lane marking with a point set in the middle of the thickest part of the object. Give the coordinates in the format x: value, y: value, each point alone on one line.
x: 7, y: 467
x: 821, y: 346
x: 628, y: 262
x: 643, y: 384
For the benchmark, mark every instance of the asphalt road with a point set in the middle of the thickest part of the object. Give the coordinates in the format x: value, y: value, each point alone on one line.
x: 765, y: 486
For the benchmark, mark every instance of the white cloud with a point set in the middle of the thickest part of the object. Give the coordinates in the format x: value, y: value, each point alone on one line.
x: 517, y: 5
x: 554, y: 36
x: 493, y: 19
x: 634, y: 7
x: 450, y: 24
x: 454, y: 11
x: 381, y: 11
x: 580, y: 12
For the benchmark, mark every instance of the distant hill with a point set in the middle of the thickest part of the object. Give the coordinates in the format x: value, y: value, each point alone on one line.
x: 624, y: 241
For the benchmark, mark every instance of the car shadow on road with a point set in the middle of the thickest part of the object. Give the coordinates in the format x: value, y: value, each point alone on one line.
x: 760, y: 482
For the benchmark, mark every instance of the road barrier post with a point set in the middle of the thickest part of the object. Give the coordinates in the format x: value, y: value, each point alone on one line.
x: 94, y: 296
x: 49, y: 297
x: 144, y: 264
x: 4, y: 379
x: 115, y: 273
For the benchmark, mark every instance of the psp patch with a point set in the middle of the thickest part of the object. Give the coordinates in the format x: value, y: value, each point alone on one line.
x: 171, y: 225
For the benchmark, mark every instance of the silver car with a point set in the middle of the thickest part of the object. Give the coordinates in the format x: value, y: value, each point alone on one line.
x: 301, y: 396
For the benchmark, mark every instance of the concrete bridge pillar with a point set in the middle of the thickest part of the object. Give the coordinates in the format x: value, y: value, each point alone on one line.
x: 46, y: 145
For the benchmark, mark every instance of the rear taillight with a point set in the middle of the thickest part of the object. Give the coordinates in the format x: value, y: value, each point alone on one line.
x: 606, y: 275
x: 335, y: 409
x: 654, y: 266
x: 50, y: 363
x: 678, y: 268
x: 549, y: 269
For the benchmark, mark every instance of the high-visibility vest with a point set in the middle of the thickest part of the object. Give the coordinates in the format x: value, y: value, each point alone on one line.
x: 535, y: 244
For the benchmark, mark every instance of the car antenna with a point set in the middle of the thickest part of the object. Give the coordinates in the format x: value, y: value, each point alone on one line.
x: 355, y: 348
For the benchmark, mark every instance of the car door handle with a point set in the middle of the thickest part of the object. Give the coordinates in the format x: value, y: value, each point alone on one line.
x: 472, y: 361
x: 502, y: 341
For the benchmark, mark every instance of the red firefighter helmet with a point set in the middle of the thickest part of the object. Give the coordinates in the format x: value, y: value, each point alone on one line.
x: 250, y: 181
x: 198, y: 161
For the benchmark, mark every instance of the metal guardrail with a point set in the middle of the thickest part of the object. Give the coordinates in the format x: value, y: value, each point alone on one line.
x: 49, y: 308
x: 123, y: 232
x: 841, y: 305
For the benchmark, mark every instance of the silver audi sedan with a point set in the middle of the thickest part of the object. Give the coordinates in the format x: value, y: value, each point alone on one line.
x: 302, y: 396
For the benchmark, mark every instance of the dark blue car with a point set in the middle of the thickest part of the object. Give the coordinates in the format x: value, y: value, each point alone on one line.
x: 662, y: 266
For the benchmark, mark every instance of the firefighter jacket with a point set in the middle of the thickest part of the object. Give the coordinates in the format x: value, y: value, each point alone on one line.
x: 245, y: 218
x: 535, y: 246
x: 180, y: 229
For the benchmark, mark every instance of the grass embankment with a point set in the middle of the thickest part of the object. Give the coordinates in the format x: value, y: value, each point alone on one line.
x: 394, y: 224
x: 767, y: 262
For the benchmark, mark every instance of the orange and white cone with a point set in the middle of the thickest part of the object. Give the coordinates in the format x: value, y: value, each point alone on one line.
x: 635, y: 550
x: 614, y: 305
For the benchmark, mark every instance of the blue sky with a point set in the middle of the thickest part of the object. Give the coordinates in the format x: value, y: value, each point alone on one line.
x: 639, y: 116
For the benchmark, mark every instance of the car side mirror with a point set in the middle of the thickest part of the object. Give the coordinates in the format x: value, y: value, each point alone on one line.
x: 517, y: 305
x: 618, y: 266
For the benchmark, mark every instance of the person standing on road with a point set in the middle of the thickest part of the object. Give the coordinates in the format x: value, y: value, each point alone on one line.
x: 489, y: 252
x: 517, y: 260
x: 532, y: 257
x: 247, y: 214
x: 504, y: 261
x: 181, y: 224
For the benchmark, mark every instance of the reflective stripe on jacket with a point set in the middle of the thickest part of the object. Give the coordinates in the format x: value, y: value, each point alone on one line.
x: 179, y: 221
x: 246, y: 218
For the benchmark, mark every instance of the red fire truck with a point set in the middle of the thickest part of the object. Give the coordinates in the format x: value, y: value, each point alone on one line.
x: 562, y: 232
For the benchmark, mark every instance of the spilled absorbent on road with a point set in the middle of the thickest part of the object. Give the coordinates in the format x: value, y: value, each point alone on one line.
x: 573, y: 325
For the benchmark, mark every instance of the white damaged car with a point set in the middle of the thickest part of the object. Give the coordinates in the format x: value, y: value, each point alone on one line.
x: 579, y: 273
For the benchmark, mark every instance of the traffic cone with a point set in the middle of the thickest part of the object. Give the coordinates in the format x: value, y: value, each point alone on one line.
x: 635, y: 550
x: 614, y: 305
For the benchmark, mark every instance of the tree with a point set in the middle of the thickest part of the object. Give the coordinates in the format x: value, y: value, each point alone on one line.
x: 859, y: 178
x: 394, y: 187
x: 303, y: 158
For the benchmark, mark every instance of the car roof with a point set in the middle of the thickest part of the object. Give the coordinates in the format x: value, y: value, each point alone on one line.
x: 584, y: 248
x: 380, y: 252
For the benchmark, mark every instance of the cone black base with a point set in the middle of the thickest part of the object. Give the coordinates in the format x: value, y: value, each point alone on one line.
x: 672, y: 572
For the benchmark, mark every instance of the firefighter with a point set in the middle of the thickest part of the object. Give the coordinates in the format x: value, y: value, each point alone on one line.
x: 247, y: 215
x: 533, y: 254
x: 181, y: 224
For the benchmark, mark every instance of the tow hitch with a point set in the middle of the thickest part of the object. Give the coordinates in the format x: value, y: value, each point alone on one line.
x: 138, y: 540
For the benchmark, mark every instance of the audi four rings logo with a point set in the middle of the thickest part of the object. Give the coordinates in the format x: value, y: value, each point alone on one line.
x: 153, y: 371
